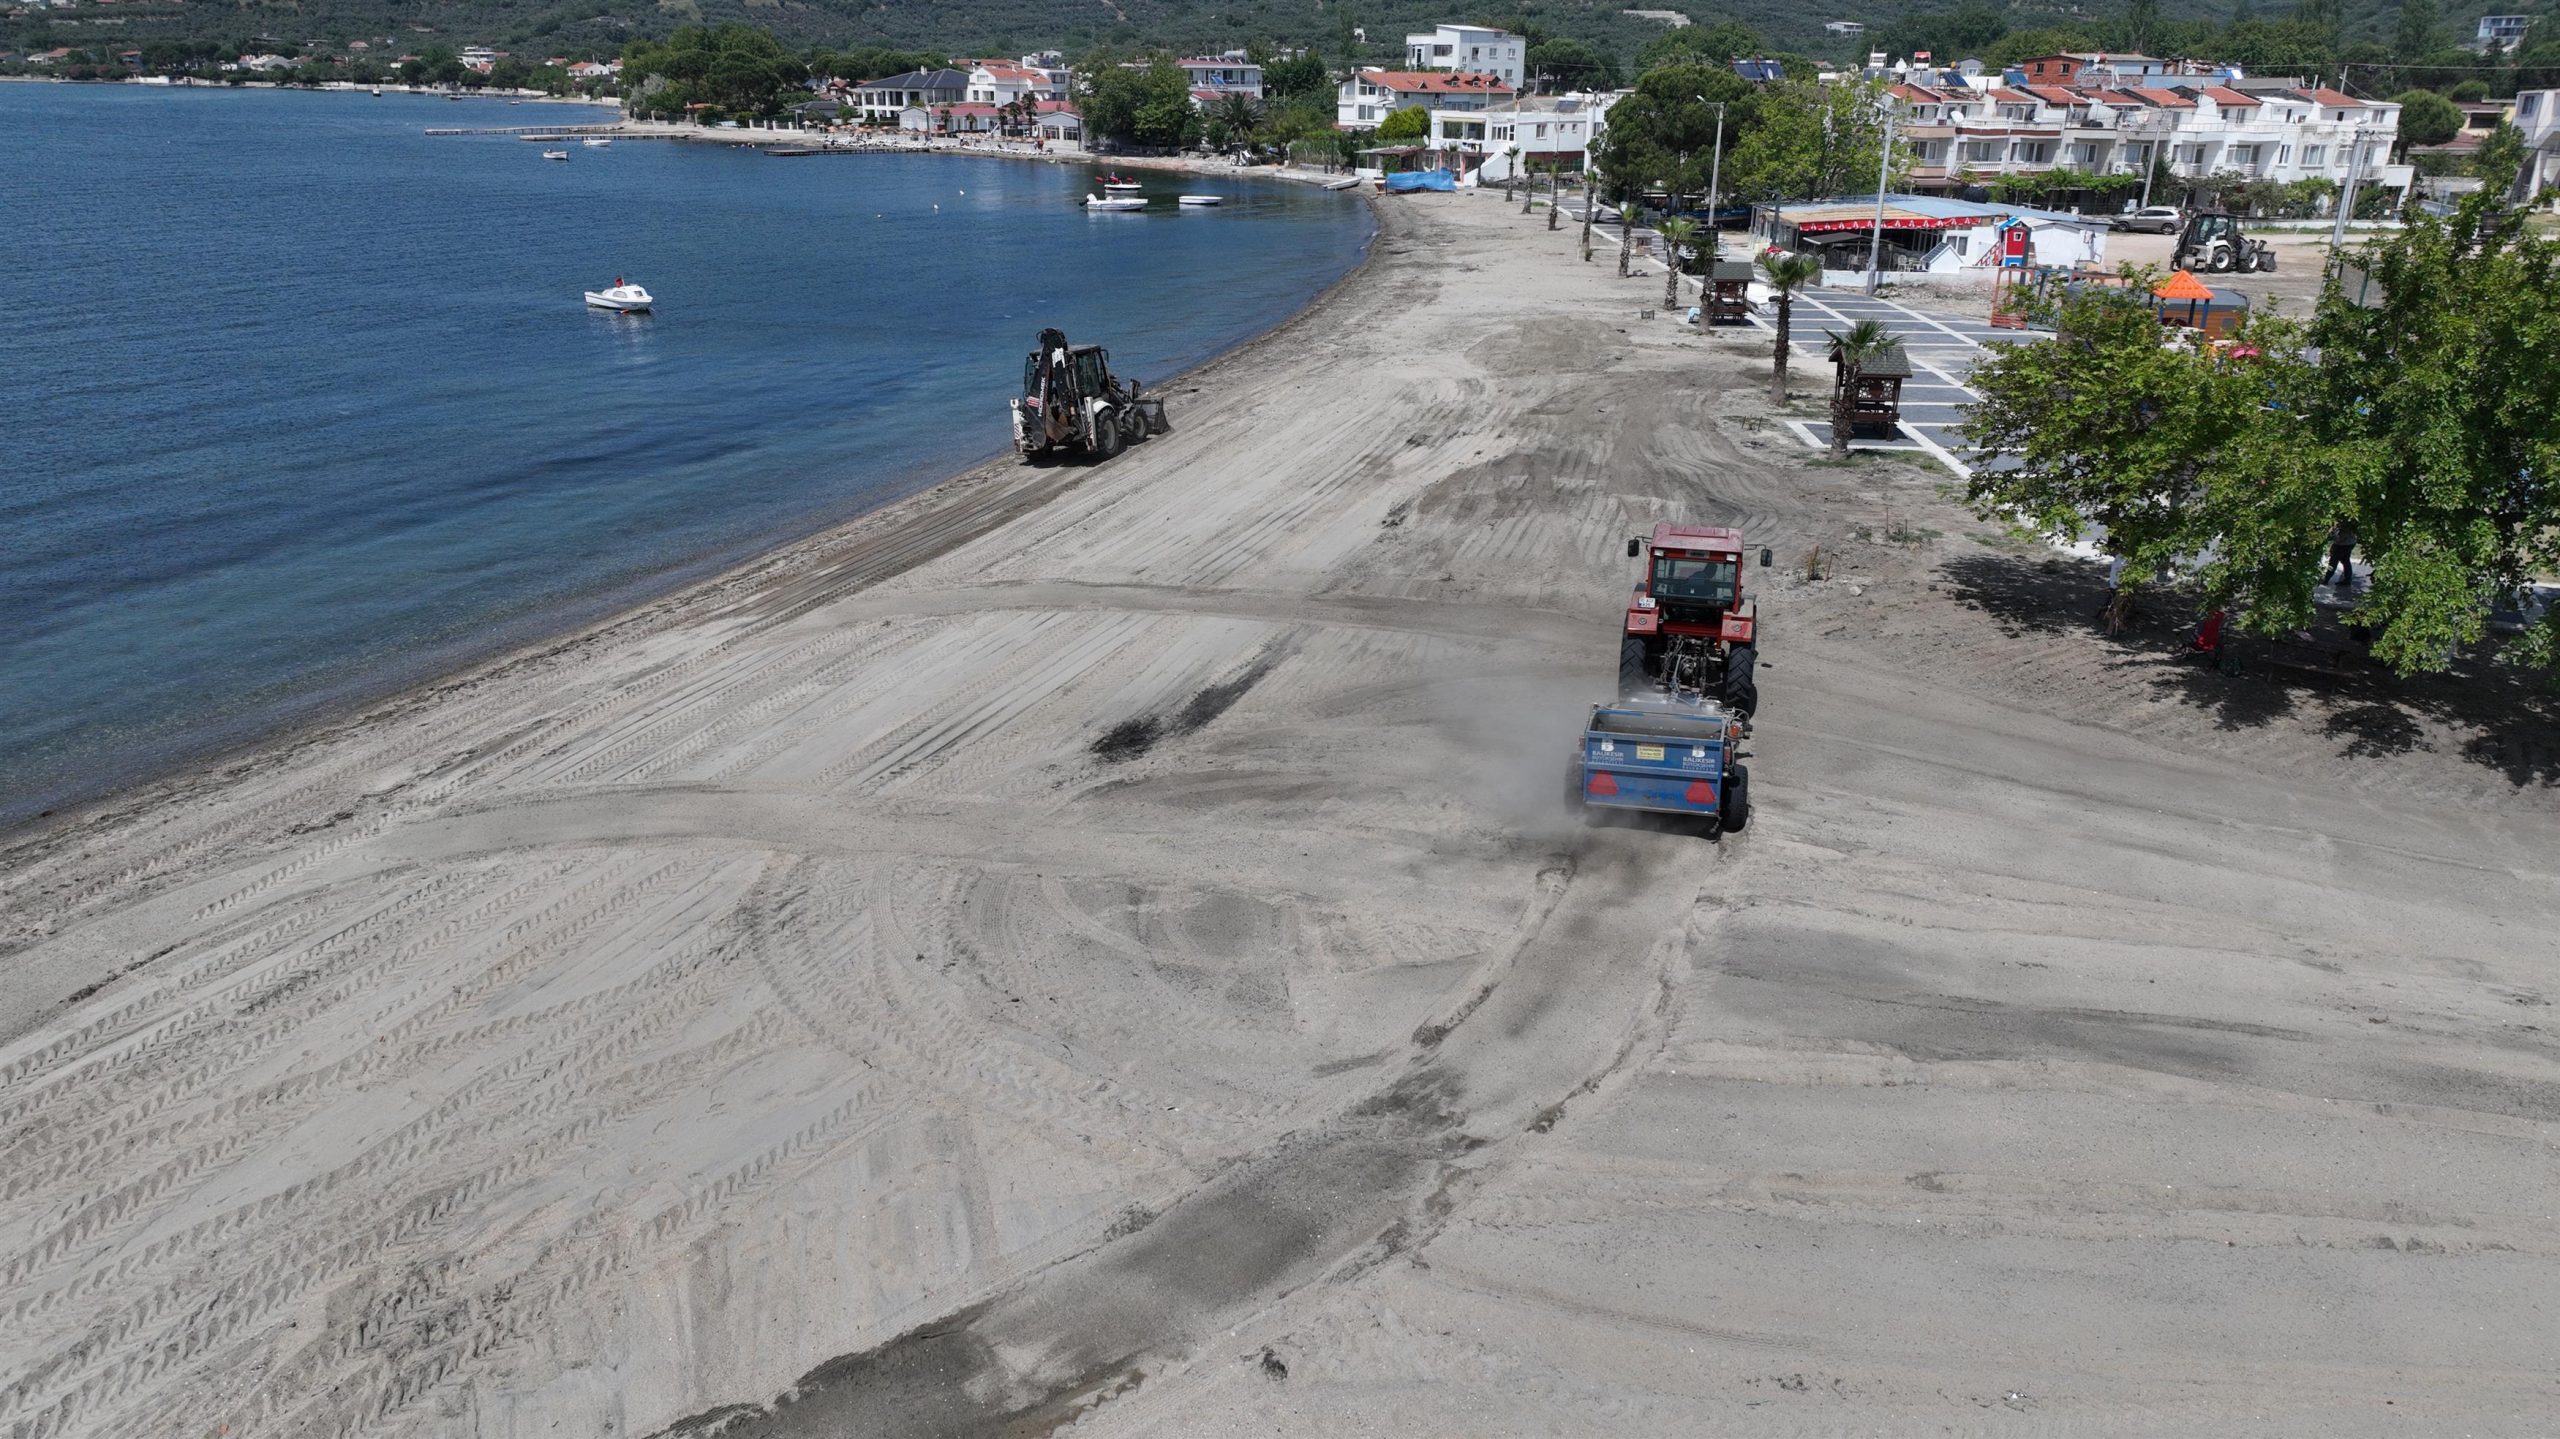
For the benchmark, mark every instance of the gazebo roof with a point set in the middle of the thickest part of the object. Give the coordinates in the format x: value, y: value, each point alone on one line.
x: 1889, y: 363
x: 1732, y: 270
x: 2182, y: 285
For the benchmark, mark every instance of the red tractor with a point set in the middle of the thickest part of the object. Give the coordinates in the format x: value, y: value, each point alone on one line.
x: 1687, y: 633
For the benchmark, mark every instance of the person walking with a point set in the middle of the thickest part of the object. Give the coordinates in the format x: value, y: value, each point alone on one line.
x: 2342, y: 546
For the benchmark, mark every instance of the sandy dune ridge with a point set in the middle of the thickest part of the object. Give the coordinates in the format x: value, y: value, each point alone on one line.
x: 1104, y: 945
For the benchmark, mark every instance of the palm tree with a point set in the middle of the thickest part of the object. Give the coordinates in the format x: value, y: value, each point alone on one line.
x: 1852, y: 350
x: 1677, y: 236
x: 1628, y: 195
x: 1236, y: 113
x: 1787, y: 273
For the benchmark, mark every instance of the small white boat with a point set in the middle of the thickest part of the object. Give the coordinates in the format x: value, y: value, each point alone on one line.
x: 1119, y: 182
x: 377, y: 92
x: 596, y: 142
x: 1201, y: 199
x: 624, y: 298
x: 1351, y: 184
x: 1117, y: 202
x: 555, y: 154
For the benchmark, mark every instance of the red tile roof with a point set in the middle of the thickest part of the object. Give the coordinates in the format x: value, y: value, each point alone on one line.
x: 2226, y: 97
x: 2169, y: 99
x: 2334, y: 99
x: 1437, y: 82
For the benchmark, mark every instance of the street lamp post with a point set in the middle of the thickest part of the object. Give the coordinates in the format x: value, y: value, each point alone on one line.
x: 1884, y: 174
x: 1715, y: 181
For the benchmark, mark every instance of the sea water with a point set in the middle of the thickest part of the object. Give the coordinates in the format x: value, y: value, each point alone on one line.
x: 302, y: 405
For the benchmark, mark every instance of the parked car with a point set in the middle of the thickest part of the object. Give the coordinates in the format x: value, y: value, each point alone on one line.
x: 2157, y: 219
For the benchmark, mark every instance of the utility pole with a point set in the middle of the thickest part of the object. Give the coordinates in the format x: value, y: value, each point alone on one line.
x: 1555, y: 189
x: 2347, y: 198
x: 1884, y: 174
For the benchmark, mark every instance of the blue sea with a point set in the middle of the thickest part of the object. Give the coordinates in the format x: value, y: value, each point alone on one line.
x: 302, y: 405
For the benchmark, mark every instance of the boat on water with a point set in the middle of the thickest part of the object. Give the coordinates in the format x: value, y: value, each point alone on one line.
x: 555, y: 154
x: 377, y: 92
x: 1351, y: 183
x: 624, y: 298
x: 1116, y: 202
x: 1118, y: 182
x: 1200, y: 199
x: 596, y: 142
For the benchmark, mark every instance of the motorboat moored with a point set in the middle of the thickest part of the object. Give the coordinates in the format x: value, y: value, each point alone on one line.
x: 597, y: 142
x: 1118, y: 182
x: 1353, y: 183
x: 1200, y: 199
x: 1116, y: 202
x: 555, y: 154
x: 624, y: 298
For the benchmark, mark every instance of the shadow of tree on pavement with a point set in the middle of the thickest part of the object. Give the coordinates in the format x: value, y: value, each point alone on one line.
x: 2507, y: 720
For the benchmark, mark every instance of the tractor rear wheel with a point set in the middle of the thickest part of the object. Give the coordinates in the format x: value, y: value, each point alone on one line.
x: 1735, y: 809
x: 1741, y: 691
x: 1106, y: 437
x: 1631, y: 676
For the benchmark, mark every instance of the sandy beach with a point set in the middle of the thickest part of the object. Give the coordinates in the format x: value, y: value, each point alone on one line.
x: 1104, y: 945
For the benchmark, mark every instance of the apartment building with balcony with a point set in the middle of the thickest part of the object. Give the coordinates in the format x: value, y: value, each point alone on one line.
x: 2202, y: 128
x: 1474, y: 48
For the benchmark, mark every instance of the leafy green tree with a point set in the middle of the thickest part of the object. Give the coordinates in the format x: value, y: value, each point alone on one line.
x: 2108, y: 426
x: 1787, y: 273
x: 2444, y: 384
x: 1719, y: 44
x: 2468, y: 92
x: 2142, y: 23
x: 1149, y: 106
x: 1664, y: 133
x: 1800, y: 139
x: 1565, y: 64
x: 2427, y: 118
x: 1405, y: 127
x: 2418, y: 34
x: 1288, y: 79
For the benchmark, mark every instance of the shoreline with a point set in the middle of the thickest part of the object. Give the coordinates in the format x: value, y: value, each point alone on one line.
x: 193, y: 777
x: 821, y: 1004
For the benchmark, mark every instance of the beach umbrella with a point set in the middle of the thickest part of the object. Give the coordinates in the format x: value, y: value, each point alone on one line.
x: 2184, y: 286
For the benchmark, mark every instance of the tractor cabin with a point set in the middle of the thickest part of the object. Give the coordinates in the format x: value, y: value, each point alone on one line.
x: 1875, y: 398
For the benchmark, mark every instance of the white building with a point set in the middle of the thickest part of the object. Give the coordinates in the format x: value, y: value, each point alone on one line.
x: 2281, y: 131
x: 1470, y: 47
x: 2537, y: 114
x: 1530, y: 135
x: 1370, y: 96
x: 1846, y: 27
x: 2504, y: 31
x: 1225, y: 75
x: 1001, y: 82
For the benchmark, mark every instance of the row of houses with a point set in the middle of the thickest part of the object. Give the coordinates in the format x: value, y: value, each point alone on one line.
x: 1038, y: 78
x: 2117, y: 116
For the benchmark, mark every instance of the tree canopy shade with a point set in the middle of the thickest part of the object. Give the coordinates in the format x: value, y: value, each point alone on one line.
x: 1719, y: 44
x: 1558, y: 65
x: 1800, y: 138
x: 1148, y: 106
x: 2428, y: 423
x: 735, y: 67
x: 1405, y: 126
x: 2427, y: 118
x: 1664, y: 133
x: 2447, y: 385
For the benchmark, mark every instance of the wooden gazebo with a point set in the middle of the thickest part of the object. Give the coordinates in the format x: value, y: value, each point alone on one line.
x: 1728, y: 300
x: 1875, y: 402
